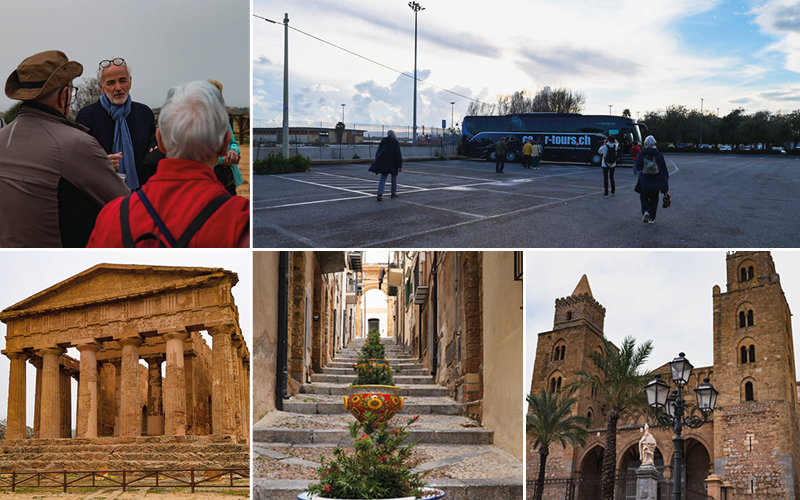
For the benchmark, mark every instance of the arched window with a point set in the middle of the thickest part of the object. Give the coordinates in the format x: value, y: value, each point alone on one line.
x: 558, y: 352
x: 569, y: 315
x: 589, y: 416
x: 744, y: 354
x: 558, y: 385
x: 553, y: 385
x: 594, y: 391
x: 750, y: 272
x: 748, y: 391
x: 744, y: 275
x: 752, y: 353
x: 750, y: 317
x: 563, y: 350
x: 742, y: 320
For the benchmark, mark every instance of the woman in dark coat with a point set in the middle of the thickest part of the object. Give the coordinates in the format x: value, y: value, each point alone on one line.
x: 649, y: 184
x: 388, y: 160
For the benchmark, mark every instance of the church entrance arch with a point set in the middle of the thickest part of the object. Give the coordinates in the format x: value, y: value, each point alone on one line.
x: 696, y: 470
x: 591, y: 467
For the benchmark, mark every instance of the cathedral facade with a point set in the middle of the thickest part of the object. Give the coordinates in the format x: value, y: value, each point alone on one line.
x: 751, y: 443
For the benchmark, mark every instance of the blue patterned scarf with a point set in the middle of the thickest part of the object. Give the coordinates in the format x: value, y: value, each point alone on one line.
x: 122, y: 139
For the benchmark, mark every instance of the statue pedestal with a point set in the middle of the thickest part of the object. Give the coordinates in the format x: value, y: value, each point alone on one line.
x: 647, y: 483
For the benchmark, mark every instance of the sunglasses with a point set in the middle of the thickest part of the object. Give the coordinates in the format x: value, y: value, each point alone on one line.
x: 116, y: 62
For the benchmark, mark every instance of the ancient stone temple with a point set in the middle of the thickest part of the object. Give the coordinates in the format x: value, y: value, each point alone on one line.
x: 144, y: 368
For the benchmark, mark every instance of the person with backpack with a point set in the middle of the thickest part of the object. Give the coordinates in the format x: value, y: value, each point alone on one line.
x: 653, y: 177
x: 635, y: 150
x: 183, y: 204
x: 609, y: 151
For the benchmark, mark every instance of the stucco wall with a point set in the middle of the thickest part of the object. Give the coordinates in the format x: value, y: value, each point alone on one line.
x: 503, y: 394
x: 265, y: 331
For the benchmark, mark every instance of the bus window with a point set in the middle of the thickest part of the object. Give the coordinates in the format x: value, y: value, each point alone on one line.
x: 613, y: 131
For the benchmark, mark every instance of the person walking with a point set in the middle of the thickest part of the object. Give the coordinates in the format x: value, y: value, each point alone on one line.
x: 536, y: 154
x: 635, y: 150
x: 527, y: 151
x: 609, y: 151
x: 653, y: 178
x: 388, y: 161
x: 500, y: 152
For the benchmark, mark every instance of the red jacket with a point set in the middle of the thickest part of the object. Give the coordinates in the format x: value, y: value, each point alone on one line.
x: 179, y: 190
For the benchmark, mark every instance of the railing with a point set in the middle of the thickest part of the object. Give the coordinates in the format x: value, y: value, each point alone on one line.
x: 590, y: 488
x: 144, y: 478
x: 242, y: 122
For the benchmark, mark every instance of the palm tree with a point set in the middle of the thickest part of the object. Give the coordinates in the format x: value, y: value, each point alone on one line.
x: 550, y: 419
x: 620, y: 384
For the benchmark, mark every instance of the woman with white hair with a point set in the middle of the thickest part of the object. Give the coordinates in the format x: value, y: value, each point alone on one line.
x: 183, y: 204
x: 653, y: 178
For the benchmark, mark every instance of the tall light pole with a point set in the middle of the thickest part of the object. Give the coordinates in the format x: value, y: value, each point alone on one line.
x: 286, y: 85
x: 344, y: 133
x: 416, y: 7
x: 637, y: 116
x: 670, y: 410
x: 452, y: 123
x: 609, y: 109
x: 701, y: 122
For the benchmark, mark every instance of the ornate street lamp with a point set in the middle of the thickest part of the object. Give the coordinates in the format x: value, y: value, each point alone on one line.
x: 669, y: 410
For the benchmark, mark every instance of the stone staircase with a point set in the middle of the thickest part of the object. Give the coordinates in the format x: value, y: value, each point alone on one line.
x: 117, y: 453
x: 458, y: 452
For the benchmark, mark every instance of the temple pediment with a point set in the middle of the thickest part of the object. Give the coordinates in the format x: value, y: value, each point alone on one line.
x: 109, y: 282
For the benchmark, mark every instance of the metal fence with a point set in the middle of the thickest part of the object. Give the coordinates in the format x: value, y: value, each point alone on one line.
x: 146, y: 478
x: 590, y: 488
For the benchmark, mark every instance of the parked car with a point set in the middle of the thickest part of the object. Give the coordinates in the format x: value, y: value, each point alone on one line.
x: 779, y: 149
x: 706, y: 146
x: 744, y: 147
x: 725, y: 147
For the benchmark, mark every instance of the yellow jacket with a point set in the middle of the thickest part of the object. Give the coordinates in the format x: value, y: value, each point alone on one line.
x: 527, y: 149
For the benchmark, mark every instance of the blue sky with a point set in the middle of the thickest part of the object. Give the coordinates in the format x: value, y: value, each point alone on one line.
x: 665, y: 296
x: 630, y: 54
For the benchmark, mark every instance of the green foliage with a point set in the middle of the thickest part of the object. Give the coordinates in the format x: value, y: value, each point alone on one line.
x: 356, y: 157
x: 550, y: 420
x: 378, y: 467
x: 275, y: 163
x: 339, y: 131
x: 11, y: 113
x: 368, y: 372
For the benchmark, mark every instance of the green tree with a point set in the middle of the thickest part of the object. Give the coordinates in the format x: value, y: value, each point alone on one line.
x: 626, y: 113
x: 620, y: 384
x: 11, y: 113
x: 339, y: 131
x: 550, y: 420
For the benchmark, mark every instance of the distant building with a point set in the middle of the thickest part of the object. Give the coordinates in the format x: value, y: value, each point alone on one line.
x: 751, y: 442
x: 306, y: 135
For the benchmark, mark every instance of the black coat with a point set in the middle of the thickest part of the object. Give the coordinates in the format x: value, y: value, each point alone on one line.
x: 651, y: 182
x: 388, y: 159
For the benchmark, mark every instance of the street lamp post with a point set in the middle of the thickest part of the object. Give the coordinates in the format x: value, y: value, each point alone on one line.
x: 344, y: 134
x: 669, y: 409
x: 701, y: 122
x: 416, y: 7
x: 452, y: 124
x: 285, y: 148
x: 609, y: 109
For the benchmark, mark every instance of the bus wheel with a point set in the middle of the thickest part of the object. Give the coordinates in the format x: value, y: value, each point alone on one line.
x: 511, y: 156
x: 595, y: 159
x: 491, y: 155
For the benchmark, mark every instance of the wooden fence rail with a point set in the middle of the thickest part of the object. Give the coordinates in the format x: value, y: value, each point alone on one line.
x: 144, y: 478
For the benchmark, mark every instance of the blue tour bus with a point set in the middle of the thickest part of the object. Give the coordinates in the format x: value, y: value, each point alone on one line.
x: 564, y: 137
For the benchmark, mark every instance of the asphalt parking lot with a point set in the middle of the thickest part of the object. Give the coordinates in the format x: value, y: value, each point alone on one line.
x: 718, y: 201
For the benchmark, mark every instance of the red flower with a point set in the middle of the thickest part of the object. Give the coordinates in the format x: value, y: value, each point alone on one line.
x: 327, y: 488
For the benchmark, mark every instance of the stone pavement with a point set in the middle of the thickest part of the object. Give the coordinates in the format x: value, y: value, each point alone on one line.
x: 456, y: 452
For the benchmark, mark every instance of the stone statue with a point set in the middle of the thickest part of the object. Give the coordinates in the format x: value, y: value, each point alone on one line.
x: 647, y: 446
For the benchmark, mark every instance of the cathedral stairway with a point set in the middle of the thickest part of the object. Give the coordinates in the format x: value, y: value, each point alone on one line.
x: 456, y: 450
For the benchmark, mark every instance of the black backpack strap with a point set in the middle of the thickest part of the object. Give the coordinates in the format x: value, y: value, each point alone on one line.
x: 201, y: 219
x: 125, y: 223
x: 156, y: 218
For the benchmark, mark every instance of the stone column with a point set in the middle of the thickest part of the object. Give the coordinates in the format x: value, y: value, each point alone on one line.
x: 87, y: 392
x: 237, y: 384
x: 15, y: 423
x: 175, y: 390
x: 51, y: 402
x: 36, y: 361
x: 223, y: 412
x: 130, y: 414
x: 646, y: 483
x: 155, y: 405
x: 65, y: 394
x: 246, y: 370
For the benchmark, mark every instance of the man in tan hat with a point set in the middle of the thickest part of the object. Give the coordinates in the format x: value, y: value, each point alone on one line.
x: 54, y: 176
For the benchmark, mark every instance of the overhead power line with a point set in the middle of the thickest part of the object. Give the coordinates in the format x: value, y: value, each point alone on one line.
x: 371, y: 60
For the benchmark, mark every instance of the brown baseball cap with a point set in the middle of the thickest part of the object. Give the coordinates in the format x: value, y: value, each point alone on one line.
x: 41, y: 74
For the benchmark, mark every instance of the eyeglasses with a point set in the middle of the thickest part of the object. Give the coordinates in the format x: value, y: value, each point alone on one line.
x: 116, y: 62
x: 74, y: 94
